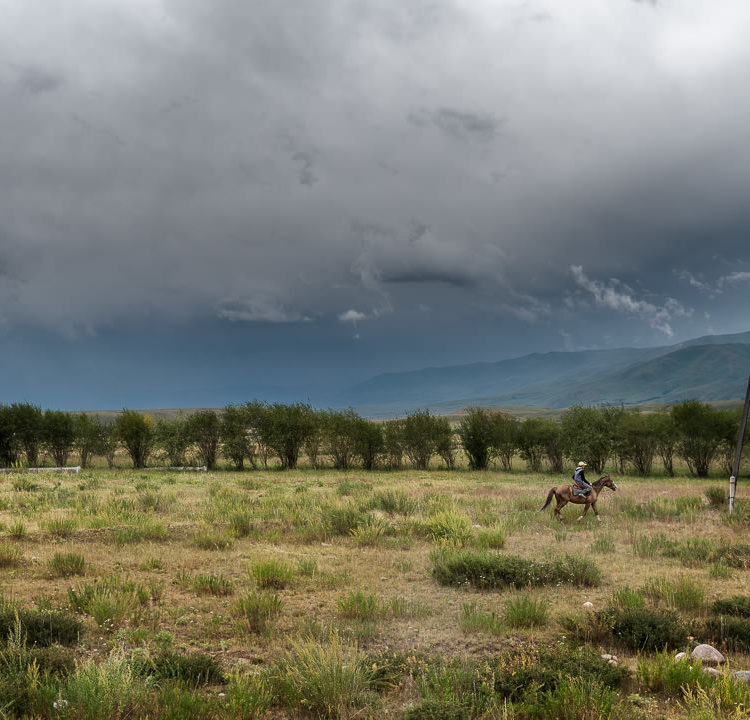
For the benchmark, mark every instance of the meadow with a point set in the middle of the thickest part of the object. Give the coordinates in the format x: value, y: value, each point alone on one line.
x: 411, y: 594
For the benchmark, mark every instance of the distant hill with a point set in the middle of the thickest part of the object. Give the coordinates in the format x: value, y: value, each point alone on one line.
x: 710, y: 368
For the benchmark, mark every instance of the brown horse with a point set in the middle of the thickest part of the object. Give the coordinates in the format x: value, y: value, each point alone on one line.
x: 564, y: 495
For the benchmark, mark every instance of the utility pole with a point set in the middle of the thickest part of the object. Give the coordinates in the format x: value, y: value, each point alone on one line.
x: 738, y: 450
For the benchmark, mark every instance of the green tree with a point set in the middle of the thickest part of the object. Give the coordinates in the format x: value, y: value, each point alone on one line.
x: 553, y: 447
x: 27, y: 421
x: 700, y: 432
x: 339, y: 429
x: 368, y: 443
x: 445, y: 442
x: 420, y: 438
x: 59, y: 433
x: 284, y: 429
x: 137, y: 433
x: 9, y: 444
x: 504, y: 439
x: 256, y: 417
x: 588, y: 434
x: 172, y: 437
x: 475, y: 430
x: 235, y: 438
x: 665, y: 433
x: 204, y: 430
x: 313, y: 445
x: 393, y: 442
x: 729, y: 422
x: 533, y: 436
x: 90, y: 433
x: 110, y: 443
x: 638, y: 441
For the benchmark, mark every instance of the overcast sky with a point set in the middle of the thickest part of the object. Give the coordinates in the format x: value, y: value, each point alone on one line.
x: 206, y: 200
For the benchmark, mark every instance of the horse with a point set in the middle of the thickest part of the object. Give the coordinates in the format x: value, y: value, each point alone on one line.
x: 564, y: 495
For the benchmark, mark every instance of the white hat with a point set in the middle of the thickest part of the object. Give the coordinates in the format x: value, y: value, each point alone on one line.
x: 581, y: 464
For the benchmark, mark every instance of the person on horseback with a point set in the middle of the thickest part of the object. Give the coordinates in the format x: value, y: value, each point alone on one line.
x: 581, y: 486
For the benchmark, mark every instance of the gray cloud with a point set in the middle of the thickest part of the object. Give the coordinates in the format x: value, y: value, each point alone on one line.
x: 275, y: 162
x: 458, y: 124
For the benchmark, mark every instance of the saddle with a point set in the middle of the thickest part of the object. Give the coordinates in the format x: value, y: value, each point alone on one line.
x: 580, y: 491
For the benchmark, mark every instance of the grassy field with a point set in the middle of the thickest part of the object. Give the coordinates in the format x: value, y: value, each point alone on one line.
x: 408, y: 594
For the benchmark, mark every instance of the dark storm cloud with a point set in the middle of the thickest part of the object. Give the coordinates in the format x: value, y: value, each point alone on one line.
x: 284, y: 163
x: 458, y: 124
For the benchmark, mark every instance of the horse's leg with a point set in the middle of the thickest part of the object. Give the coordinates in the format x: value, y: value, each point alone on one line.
x: 560, y: 504
x: 585, y: 510
x: 596, y: 512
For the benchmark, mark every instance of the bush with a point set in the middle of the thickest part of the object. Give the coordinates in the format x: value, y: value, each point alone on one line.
x: 734, y: 556
x: 342, y: 519
x: 526, y: 612
x: 272, y: 574
x: 517, y: 672
x: 485, y: 571
x: 10, y: 555
x: 358, y: 606
x: 194, y: 668
x: 450, y: 528
x: 661, y: 673
x: 212, y: 585
x: 738, y: 605
x: 437, y: 710
x: 136, y: 432
x: 717, y: 497
x: 328, y: 680
x: 258, y: 610
x: 67, y: 564
x: 644, y: 629
x: 733, y: 632
x: 41, y: 628
x: 573, y: 698
x: 472, y: 619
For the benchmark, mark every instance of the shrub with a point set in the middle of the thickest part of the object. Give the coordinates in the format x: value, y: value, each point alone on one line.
x: 258, y: 610
x: 394, y: 502
x: 370, y: 532
x: 240, y: 524
x: 212, y: 585
x: 683, y: 594
x: 738, y: 605
x: 472, y: 619
x: 603, y: 544
x: 10, y: 555
x: 526, y: 612
x: 450, y: 528
x: 328, y: 680
x: 213, y: 541
x: 248, y: 696
x: 734, y: 556
x: 490, y: 539
x: 17, y: 530
x: 661, y: 673
x: 717, y: 496
x: 272, y: 574
x: 733, y: 632
x: 66, y: 564
x: 484, y: 570
x: 644, y: 629
x: 342, y: 519
x: 517, y: 672
x: 194, y: 668
x: 433, y: 709
x: 358, y: 606
x: 40, y: 627
x: 573, y: 698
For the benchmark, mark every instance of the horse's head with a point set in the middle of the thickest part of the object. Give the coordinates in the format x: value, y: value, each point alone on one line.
x: 607, y: 481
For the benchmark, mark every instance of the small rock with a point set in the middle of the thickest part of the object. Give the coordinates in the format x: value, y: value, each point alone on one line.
x: 326, y: 544
x: 708, y: 654
x: 743, y: 675
x: 588, y: 605
x: 606, y: 656
x: 680, y: 656
x: 712, y: 671
x: 612, y: 661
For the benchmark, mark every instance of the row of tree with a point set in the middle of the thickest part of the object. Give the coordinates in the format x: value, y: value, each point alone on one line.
x: 256, y: 432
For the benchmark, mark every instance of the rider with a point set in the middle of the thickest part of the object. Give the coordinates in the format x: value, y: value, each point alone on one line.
x: 579, y: 479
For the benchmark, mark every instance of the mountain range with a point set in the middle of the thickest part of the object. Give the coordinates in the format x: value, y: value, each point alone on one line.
x: 709, y: 368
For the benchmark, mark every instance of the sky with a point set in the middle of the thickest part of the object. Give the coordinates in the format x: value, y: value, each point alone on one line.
x: 205, y: 202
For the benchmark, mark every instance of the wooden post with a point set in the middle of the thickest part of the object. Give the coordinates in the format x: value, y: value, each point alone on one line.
x: 738, y: 450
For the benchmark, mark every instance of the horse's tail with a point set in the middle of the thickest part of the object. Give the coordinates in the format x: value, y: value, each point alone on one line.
x: 549, y: 499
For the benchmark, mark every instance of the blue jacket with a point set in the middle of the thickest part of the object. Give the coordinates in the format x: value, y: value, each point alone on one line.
x: 580, y: 478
